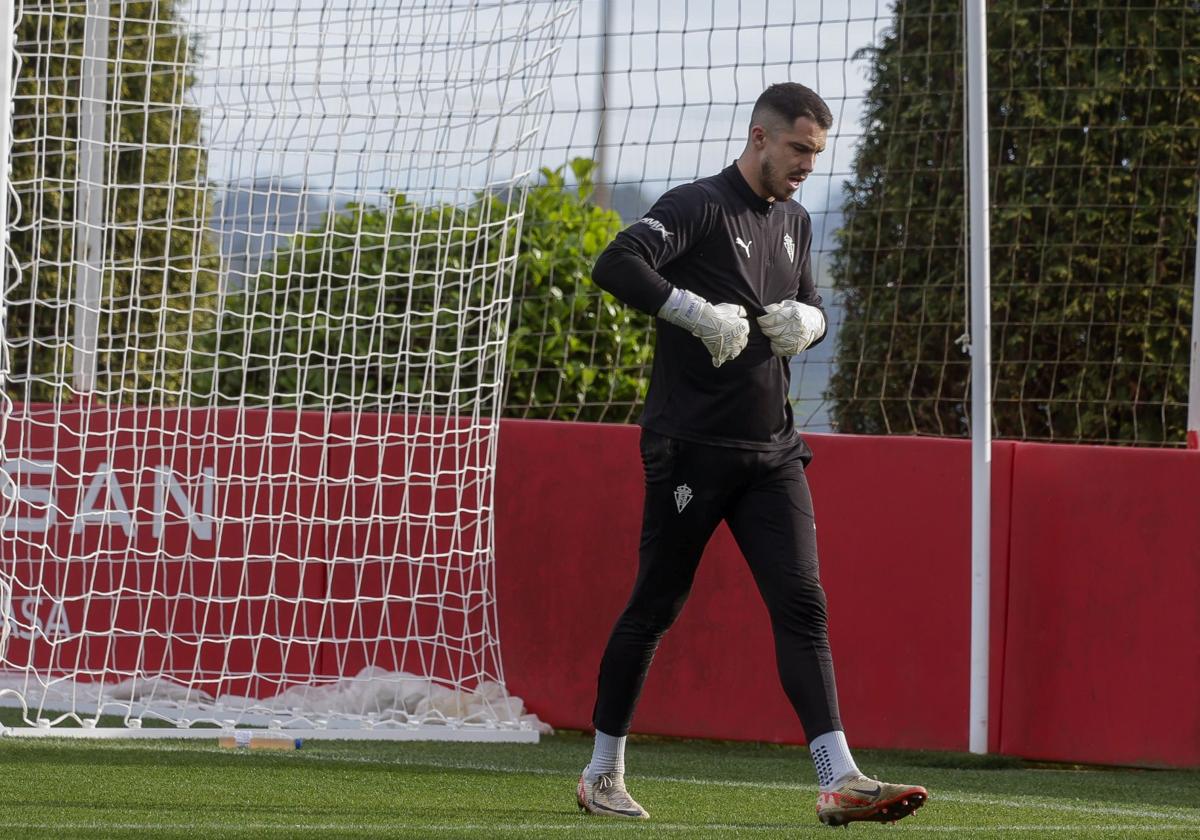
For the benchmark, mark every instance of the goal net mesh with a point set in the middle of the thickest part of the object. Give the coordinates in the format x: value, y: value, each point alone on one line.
x: 260, y: 272
x: 263, y: 260
x: 1093, y: 148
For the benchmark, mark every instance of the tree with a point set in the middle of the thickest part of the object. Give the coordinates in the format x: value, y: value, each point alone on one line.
x: 373, y: 309
x: 160, y: 273
x: 574, y: 352
x: 1094, y: 111
x: 379, y: 305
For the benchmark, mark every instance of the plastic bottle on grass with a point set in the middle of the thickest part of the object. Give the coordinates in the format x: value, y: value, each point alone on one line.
x: 248, y: 739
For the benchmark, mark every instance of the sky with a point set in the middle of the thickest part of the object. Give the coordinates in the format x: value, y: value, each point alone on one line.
x: 351, y: 95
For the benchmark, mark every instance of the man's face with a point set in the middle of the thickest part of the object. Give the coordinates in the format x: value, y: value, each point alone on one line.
x: 788, y: 155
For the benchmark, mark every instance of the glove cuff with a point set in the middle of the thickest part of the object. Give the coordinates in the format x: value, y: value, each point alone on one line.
x: 683, y: 309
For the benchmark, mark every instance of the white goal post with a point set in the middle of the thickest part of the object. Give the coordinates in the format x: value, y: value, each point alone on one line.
x: 260, y: 262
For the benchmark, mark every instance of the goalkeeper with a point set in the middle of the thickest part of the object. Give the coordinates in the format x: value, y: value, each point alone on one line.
x: 724, y: 264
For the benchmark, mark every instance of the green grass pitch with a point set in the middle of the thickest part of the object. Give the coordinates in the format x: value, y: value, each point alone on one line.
x: 70, y: 788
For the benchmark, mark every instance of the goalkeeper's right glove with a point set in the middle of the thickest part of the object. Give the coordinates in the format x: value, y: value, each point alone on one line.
x: 723, y: 328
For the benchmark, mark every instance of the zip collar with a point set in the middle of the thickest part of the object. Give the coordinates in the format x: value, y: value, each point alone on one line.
x: 755, y: 201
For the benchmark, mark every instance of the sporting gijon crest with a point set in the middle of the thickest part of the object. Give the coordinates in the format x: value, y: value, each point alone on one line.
x: 683, y: 495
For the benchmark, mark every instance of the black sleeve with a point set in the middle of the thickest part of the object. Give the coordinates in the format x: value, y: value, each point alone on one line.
x: 628, y: 268
x: 807, y: 293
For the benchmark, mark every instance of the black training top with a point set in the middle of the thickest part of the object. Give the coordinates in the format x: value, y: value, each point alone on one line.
x: 715, y: 237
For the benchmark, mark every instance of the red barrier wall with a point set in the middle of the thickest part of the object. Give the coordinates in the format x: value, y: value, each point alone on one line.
x: 893, y: 529
x: 1102, y: 658
x: 1095, y: 556
x: 309, y: 508
x: 1095, y: 612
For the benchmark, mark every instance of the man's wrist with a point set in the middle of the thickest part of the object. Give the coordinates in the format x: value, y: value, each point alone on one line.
x: 682, y: 309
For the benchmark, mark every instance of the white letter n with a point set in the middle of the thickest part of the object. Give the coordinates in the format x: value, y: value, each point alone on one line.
x: 200, y: 523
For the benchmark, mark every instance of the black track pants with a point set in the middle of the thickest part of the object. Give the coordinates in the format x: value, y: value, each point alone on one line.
x: 764, y: 497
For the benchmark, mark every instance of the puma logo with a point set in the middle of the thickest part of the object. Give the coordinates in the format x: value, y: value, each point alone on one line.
x: 745, y: 245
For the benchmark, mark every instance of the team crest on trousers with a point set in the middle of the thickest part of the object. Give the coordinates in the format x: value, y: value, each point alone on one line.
x: 683, y: 495
x: 789, y: 245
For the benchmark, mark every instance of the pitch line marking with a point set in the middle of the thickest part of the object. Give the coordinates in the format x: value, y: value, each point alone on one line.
x: 1187, y: 814
x: 1190, y: 816
x: 584, y: 824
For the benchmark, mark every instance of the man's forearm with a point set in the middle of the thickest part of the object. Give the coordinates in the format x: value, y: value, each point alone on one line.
x: 624, y: 274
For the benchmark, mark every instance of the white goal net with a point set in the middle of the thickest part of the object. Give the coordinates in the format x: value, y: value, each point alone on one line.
x: 256, y: 290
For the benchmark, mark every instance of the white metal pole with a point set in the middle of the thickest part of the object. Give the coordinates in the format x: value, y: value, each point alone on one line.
x: 603, y: 187
x: 89, y: 193
x: 7, y: 92
x: 7, y: 101
x: 8, y: 24
x: 1193, y: 417
x: 981, y: 374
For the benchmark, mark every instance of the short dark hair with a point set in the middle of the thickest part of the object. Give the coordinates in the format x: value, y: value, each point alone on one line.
x: 787, y: 102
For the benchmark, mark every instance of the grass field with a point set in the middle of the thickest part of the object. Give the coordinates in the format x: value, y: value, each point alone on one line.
x: 60, y: 788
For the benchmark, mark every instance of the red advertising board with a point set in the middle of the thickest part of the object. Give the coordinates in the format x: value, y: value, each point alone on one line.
x: 240, y: 551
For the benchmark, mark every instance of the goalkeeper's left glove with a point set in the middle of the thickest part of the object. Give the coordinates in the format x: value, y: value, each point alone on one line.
x: 792, y: 326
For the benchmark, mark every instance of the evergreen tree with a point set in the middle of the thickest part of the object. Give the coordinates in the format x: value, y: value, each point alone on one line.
x: 1094, y: 151
x: 378, y: 307
x: 160, y: 271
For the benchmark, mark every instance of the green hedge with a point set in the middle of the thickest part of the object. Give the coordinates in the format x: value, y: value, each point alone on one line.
x: 397, y: 306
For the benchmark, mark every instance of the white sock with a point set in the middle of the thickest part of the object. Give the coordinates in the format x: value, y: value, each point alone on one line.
x: 608, y: 756
x: 832, y: 758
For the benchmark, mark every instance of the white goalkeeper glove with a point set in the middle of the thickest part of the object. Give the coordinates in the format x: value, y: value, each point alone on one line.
x: 723, y: 328
x: 792, y: 326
